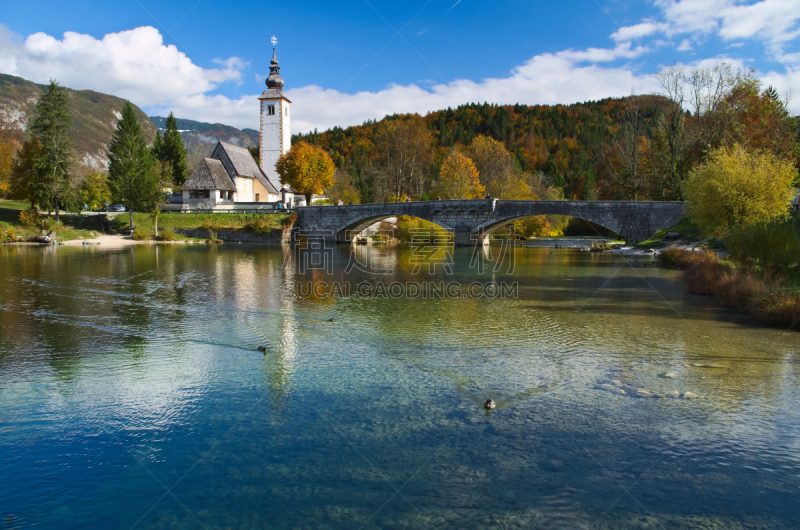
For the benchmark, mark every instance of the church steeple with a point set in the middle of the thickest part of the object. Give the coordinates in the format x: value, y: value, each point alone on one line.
x: 275, y: 136
x: 274, y: 80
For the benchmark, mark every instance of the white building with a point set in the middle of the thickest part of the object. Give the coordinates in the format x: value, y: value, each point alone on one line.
x: 248, y: 183
x: 275, y: 135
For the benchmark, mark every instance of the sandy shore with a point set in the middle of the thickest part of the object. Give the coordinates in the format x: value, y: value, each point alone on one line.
x: 116, y: 241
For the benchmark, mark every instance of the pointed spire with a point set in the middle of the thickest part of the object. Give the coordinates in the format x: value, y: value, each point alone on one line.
x: 274, y: 80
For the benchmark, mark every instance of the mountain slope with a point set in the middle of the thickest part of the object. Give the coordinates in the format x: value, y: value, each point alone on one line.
x: 200, y: 137
x: 94, y: 118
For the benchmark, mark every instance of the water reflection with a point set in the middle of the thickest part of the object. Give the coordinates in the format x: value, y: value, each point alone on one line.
x: 608, y: 379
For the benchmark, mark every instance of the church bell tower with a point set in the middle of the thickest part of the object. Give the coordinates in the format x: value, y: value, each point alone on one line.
x: 275, y: 136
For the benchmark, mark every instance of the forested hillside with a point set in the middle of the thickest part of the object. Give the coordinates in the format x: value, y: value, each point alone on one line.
x: 561, y: 141
x: 94, y: 118
x: 640, y: 147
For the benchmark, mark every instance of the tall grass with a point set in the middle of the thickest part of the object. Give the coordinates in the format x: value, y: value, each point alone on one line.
x: 758, y: 293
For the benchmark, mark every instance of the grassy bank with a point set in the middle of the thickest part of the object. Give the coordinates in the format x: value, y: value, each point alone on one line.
x: 255, y: 223
x: 72, y: 226
x: 688, y: 231
x: 76, y: 226
x: 770, y: 299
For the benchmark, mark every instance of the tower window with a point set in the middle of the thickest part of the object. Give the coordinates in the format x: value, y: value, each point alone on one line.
x: 286, y: 111
x: 271, y: 110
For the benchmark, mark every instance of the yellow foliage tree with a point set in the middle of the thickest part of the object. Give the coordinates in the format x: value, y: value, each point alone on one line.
x: 458, y: 178
x: 306, y: 169
x: 739, y: 188
x: 496, y: 167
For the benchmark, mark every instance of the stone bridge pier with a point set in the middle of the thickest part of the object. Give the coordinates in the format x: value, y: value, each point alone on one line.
x: 473, y: 221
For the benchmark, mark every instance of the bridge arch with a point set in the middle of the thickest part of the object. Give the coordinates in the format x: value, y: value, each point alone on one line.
x: 486, y: 229
x: 348, y: 232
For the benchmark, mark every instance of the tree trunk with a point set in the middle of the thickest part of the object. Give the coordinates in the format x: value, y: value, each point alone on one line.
x: 308, y: 199
x: 58, y: 219
x: 155, y: 224
x: 130, y: 210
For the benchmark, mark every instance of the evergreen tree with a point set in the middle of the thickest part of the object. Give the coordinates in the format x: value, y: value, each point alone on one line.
x: 130, y: 163
x: 50, y: 128
x: 551, y: 170
x: 158, y: 146
x: 22, y: 182
x: 173, y: 152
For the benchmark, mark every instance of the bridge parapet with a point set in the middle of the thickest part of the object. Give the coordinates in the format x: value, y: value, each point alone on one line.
x: 472, y: 220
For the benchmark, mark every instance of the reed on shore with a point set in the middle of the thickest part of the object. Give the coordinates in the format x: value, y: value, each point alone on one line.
x: 763, y: 295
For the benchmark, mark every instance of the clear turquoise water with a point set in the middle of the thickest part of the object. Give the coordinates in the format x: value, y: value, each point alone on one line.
x: 158, y: 412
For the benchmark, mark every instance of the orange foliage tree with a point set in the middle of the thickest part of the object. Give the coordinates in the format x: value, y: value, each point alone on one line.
x: 307, y: 169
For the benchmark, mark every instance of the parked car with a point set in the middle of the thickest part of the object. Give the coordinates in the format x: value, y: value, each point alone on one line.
x: 118, y: 208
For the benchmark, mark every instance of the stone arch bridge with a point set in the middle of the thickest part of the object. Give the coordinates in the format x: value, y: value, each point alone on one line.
x: 473, y: 221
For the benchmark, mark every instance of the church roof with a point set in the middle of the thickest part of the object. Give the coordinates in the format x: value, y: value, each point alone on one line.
x: 238, y: 161
x: 209, y: 174
x: 273, y: 93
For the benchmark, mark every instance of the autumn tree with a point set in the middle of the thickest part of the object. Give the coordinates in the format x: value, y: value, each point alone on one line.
x: 306, y: 169
x: 459, y: 179
x: 736, y: 187
x: 496, y: 167
x: 671, y: 141
x: 624, y: 161
x: 130, y: 164
x: 404, y: 147
x: 50, y: 127
x: 10, y: 143
x: 343, y: 188
x: 94, y: 190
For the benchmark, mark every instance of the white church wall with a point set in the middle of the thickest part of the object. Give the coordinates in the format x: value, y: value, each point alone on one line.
x: 275, y: 136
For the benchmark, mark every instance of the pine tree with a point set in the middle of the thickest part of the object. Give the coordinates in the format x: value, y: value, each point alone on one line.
x: 158, y: 146
x: 22, y: 182
x: 50, y: 128
x: 130, y: 163
x: 173, y: 151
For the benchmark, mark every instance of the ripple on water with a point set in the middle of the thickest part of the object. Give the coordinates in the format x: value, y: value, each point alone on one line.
x: 106, y: 398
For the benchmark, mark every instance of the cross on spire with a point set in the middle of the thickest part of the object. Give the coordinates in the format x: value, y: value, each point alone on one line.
x: 274, y: 40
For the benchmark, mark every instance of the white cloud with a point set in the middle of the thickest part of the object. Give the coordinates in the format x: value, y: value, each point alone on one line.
x: 133, y: 64
x: 544, y: 79
x: 645, y: 29
x: 774, y: 22
x: 686, y: 45
x: 598, y: 55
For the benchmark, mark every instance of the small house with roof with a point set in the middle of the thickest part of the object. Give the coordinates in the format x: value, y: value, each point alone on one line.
x: 230, y: 175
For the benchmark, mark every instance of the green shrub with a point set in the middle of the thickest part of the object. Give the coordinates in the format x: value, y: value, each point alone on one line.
x: 166, y: 235
x: 289, y: 220
x: 771, y: 247
x: 140, y: 234
x: 7, y: 234
x: 29, y: 217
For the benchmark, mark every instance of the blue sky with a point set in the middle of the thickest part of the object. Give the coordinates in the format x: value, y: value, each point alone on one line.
x: 349, y: 61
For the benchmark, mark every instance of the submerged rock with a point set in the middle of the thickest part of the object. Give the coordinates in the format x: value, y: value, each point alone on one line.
x: 690, y: 395
x: 551, y: 465
x: 668, y: 375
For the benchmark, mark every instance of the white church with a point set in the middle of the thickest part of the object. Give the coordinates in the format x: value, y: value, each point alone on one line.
x: 230, y: 179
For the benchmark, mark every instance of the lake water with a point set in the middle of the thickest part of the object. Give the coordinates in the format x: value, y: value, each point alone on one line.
x: 132, y: 394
